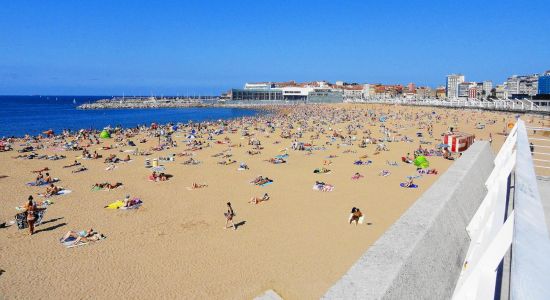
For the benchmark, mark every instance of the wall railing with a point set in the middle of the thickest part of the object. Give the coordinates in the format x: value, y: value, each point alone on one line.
x: 509, y: 219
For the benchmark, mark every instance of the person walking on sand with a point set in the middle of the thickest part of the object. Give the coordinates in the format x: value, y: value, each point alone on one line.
x: 31, y: 217
x: 229, y: 216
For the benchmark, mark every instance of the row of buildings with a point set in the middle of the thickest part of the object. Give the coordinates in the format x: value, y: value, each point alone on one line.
x: 535, y: 86
x: 515, y: 87
x: 326, y: 92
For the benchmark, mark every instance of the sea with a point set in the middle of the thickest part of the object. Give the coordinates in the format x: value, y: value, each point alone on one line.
x: 20, y: 115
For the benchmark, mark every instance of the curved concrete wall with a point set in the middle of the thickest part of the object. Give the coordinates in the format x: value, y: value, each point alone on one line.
x: 421, y: 255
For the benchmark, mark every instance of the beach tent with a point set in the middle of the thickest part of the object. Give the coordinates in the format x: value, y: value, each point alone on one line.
x: 421, y: 162
x: 105, y: 134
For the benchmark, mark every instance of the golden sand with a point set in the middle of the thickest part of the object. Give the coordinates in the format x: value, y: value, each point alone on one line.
x: 298, y: 243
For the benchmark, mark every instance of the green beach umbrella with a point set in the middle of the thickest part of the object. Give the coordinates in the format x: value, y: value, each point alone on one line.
x: 421, y: 162
x: 105, y: 134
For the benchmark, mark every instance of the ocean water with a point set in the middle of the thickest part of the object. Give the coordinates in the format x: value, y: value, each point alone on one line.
x: 20, y: 115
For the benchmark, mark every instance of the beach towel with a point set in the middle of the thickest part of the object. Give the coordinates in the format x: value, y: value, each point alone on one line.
x: 42, y: 183
x: 60, y: 193
x: 412, y: 186
x: 267, y: 183
x: 385, y: 173
x: 323, y: 188
x: 70, y: 242
x: 115, y: 205
x: 134, y: 204
x: 427, y: 172
x: 21, y: 219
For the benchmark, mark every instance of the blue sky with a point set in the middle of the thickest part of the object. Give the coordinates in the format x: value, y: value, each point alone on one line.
x: 105, y: 47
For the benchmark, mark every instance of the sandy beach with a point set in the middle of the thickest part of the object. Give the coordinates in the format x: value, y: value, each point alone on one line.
x: 297, y: 243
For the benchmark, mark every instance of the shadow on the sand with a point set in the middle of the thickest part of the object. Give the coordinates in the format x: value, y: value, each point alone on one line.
x: 51, y: 227
x: 2, y: 272
x: 237, y: 225
x: 52, y: 220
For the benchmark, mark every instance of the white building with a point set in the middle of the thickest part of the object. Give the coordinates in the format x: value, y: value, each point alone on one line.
x: 487, y: 87
x: 296, y: 92
x: 258, y: 86
x: 453, y: 82
x: 501, y: 92
x: 519, y: 86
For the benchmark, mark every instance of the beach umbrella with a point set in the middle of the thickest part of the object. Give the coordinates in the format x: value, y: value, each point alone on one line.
x: 158, y: 169
x: 105, y: 134
x: 421, y: 162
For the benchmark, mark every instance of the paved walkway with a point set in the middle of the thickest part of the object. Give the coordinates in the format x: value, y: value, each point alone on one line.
x: 544, y: 190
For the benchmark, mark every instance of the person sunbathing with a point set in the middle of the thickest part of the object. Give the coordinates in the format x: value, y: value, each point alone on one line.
x: 357, y: 176
x: 80, y: 169
x: 48, y: 178
x: 257, y: 179
x: 129, y: 202
x: 52, y: 190
x: 256, y: 200
x: 127, y: 159
x: 243, y: 166
x: 72, y: 165
x: 198, y: 185
x: 41, y: 170
x: 106, y: 185
x: 112, y: 159
x: 264, y: 181
x: 409, y: 182
x: 81, y: 236
x: 384, y: 173
x: 162, y: 177
x: 39, y: 179
x: 154, y: 176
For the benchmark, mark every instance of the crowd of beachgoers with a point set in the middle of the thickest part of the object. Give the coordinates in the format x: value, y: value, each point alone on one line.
x: 354, y: 143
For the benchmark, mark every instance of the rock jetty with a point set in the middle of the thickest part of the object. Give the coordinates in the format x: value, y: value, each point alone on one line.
x: 151, y: 102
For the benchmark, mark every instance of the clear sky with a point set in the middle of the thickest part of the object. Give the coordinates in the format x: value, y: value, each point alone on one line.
x: 107, y: 47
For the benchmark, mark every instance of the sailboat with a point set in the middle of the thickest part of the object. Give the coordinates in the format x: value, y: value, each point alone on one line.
x: 74, y: 101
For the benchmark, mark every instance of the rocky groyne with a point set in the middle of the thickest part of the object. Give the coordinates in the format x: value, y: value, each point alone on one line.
x: 141, y: 103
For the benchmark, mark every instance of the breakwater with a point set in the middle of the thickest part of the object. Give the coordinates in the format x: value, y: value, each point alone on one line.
x: 151, y: 102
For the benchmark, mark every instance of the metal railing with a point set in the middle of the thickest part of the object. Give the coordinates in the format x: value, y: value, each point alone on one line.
x: 496, y: 104
x: 541, y: 150
x: 496, y: 229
